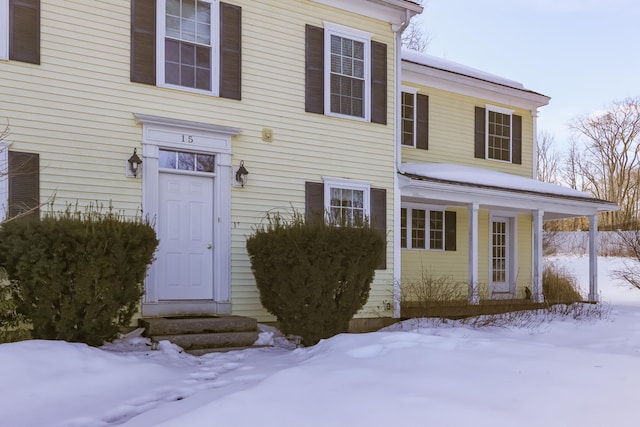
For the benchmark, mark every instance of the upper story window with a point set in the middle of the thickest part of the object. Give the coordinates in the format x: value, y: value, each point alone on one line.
x: 189, y: 44
x: 346, y: 73
x: 422, y: 228
x: 498, y: 134
x: 20, y: 30
x: 408, y: 119
x: 348, y: 76
x: 415, y: 119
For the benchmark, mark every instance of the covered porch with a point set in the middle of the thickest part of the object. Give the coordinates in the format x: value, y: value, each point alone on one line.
x: 500, y: 219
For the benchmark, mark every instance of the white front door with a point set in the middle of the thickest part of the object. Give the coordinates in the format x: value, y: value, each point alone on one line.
x: 500, y: 262
x: 185, y: 231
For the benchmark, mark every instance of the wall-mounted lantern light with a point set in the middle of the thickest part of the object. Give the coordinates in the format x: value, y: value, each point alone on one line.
x: 135, y: 163
x: 241, y: 175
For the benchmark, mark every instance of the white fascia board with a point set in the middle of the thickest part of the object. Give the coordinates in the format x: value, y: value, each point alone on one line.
x: 391, y: 11
x: 465, y: 85
x: 488, y: 198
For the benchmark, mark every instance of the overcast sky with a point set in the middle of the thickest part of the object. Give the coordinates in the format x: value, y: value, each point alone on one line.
x: 584, y: 54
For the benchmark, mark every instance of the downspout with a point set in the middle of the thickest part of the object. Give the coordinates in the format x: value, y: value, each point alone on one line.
x: 397, y: 154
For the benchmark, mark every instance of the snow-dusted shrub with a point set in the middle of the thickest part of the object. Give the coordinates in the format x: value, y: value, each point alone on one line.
x: 313, y: 276
x: 78, y: 276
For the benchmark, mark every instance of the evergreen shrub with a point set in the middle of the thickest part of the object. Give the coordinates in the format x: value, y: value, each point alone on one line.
x: 77, y: 276
x: 313, y: 276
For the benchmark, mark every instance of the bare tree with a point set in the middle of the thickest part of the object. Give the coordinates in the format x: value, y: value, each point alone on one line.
x: 610, y: 161
x: 548, y: 159
x: 414, y: 36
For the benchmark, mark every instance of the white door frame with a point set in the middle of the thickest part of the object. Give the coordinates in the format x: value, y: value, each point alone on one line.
x: 183, y: 135
x: 512, y: 260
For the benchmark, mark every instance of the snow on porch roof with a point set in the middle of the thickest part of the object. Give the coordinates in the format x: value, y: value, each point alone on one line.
x: 457, y: 174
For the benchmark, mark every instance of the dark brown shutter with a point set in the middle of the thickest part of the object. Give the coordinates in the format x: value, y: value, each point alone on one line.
x: 24, y: 183
x: 480, y: 135
x: 378, y: 82
x: 379, y: 219
x: 24, y: 30
x: 314, y: 199
x: 449, y: 231
x: 143, y: 41
x: 314, y: 70
x: 422, y: 122
x: 516, y: 139
x: 230, y: 50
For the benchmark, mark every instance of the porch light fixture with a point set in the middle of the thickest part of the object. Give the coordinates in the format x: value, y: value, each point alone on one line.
x: 242, y: 175
x: 134, y: 163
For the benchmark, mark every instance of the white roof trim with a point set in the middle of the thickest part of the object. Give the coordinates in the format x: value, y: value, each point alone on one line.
x: 451, y: 184
x: 392, y: 11
x: 430, y: 71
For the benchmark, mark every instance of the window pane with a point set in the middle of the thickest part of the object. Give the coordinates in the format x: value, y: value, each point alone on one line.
x: 173, y: 27
x: 204, y: 163
x: 167, y: 159
x: 173, y: 7
x: 186, y: 161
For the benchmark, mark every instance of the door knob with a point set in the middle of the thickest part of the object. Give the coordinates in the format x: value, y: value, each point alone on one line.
x: 209, y: 246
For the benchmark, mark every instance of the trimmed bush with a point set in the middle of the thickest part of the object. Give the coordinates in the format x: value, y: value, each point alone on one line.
x: 313, y: 276
x: 77, y: 277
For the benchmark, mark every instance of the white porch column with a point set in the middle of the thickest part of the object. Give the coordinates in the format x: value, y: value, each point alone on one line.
x: 473, y: 254
x: 537, y: 257
x: 593, y: 258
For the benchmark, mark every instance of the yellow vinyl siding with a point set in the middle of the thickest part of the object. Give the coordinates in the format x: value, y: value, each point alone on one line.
x: 452, y: 134
x: 76, y: 110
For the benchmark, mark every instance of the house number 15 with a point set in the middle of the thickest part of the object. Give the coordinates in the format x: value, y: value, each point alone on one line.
x: 187, y: 138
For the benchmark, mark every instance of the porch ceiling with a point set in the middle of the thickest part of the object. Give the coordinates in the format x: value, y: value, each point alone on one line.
x: 454, y: 185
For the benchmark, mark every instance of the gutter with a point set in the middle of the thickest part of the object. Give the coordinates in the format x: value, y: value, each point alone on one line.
x: 397, y: 271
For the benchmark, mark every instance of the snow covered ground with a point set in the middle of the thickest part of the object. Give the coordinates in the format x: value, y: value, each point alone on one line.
x: 417, y: 373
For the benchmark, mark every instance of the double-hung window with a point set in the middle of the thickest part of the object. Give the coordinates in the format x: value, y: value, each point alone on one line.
x: 345, y: 73
x: 187, y: 44
x: 498, y: 134
x: 193, y: 45
x: 349, y: 75
x: 408, y: 118
x: 20, y: 30
x: 346, y: 200
x: 415, y: 119
x: 422, y: 228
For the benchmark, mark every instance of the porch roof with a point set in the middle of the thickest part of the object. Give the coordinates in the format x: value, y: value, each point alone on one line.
x: 461, y: 185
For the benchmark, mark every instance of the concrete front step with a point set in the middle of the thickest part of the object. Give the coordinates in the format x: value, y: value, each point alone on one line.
x: 196, y: 324
x: 203, y: 334
x: 211, y: 340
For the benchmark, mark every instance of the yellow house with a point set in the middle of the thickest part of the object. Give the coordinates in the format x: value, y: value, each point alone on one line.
x: 203, y: 116
x: 471, y: 209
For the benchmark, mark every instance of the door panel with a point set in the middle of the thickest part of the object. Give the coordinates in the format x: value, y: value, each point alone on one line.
x: 185, y: 231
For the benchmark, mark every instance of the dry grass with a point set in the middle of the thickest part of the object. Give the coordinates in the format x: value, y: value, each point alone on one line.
x: 558, y: 286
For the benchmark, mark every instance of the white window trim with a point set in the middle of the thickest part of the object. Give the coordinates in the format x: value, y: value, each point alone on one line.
x: 4, y: 29
x: 4, y: 179
x: 161, y: 15
x: 353, y: 34
x: 347, y: 184
x: 427, y: 241
x: 501, y: 110
x: 414, y: 92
